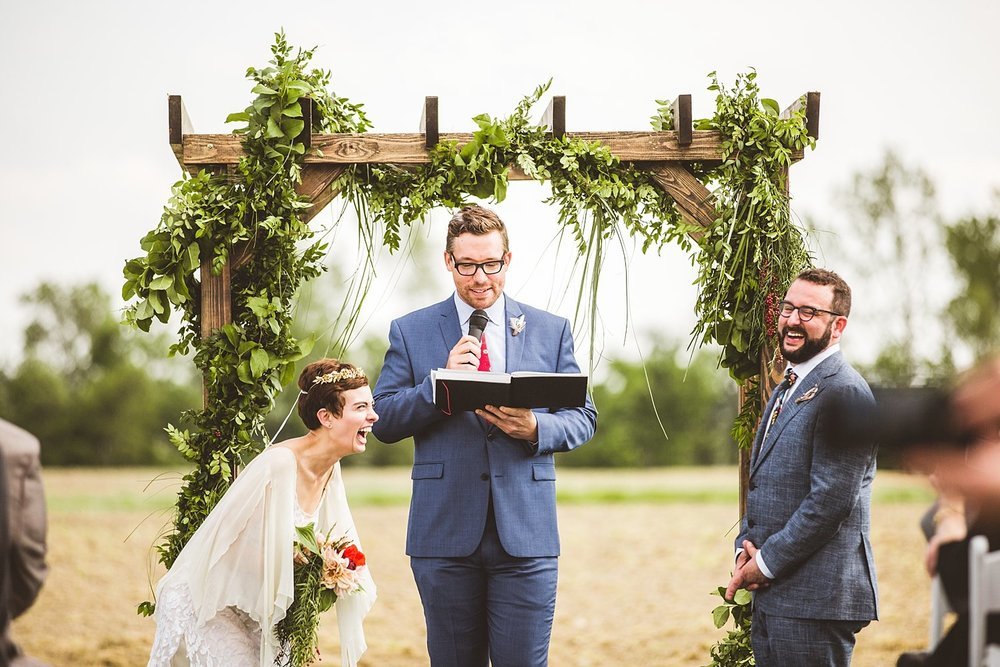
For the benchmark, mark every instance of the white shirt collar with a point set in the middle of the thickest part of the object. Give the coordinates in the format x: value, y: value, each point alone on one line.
x: 806, y: 367
x: 494, y: 312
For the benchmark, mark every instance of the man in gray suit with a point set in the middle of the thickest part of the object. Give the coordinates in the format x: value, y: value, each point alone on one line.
x: 24, y: 555
x: 804, y: 543
x: 482, y: 535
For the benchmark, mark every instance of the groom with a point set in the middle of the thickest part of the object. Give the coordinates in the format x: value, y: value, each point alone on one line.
x: 482, y: 535
x: 804, y: 541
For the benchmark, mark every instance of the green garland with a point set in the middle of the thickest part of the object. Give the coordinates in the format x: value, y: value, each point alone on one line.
x: 751, y: 252
x: 246, y: 363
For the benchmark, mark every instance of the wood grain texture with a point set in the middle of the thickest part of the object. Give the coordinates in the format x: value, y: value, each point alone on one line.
x: 315, y: 185
x: 706, y: 146
x: 693, y: 199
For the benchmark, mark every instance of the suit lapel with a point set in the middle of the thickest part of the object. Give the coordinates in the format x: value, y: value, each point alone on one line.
x: 451, y: 329
x: 790, y: 409
x: 515, y: 344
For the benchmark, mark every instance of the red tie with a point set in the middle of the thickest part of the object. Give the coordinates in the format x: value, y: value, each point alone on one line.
x: 484, y: 354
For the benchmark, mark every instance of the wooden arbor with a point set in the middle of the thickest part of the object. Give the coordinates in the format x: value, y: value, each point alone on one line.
x: 665, y: 155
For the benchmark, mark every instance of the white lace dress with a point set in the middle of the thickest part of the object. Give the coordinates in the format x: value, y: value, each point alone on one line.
x: 235, y: 574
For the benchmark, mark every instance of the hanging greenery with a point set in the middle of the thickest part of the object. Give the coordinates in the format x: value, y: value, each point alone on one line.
x: 253, y: 211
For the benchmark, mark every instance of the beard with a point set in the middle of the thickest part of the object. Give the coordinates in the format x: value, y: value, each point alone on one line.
x: 810, y: 346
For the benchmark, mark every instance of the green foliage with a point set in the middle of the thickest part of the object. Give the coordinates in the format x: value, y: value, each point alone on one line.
x: 747, y: 259
x: 93, y: 392
x: 974, y: 246
x: 212, y: 218
x: 734, y: 650
x: 691, y: 398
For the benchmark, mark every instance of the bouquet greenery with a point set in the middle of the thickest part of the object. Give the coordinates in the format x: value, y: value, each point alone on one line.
x: 325, y: 569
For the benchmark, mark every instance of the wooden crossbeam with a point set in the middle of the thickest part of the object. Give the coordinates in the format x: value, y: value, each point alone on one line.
x: 554, y: 117
x: 222, y: 149
x: 694, y: 201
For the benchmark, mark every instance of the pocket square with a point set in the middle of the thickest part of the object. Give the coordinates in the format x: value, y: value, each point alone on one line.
x: 808, y: 396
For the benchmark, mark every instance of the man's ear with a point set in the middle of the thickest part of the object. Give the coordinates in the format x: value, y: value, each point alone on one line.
x: 447, y: 261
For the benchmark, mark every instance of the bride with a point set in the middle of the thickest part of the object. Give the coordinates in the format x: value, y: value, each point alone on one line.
x: 233, y: 581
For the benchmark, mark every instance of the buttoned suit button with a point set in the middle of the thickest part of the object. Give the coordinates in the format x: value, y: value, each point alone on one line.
x: 489, y: 436
x: 750, y: 523
x: 485, y: 476
x: 751, y: 486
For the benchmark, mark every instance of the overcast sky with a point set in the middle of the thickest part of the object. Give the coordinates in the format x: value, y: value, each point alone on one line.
x: 85, y: 167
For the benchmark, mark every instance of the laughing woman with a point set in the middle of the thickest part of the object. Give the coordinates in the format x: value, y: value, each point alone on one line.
x: 234, y: 581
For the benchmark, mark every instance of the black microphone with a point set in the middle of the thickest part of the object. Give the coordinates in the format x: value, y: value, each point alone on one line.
x: 477, y: 323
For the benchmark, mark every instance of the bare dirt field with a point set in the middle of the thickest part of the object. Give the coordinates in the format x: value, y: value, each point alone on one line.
x: 642, y: 550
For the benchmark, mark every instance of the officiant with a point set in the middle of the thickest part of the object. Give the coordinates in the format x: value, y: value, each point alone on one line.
x: 482, y: 536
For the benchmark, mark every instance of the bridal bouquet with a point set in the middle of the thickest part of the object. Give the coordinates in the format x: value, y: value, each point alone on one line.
x: 324, y: 570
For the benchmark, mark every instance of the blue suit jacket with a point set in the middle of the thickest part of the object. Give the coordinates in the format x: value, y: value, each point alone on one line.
x: 460, y: 460
x: 809, y: 500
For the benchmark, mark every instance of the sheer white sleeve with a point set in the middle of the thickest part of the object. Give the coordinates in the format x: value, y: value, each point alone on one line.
x: 241, y: 556
x: 351, y: 609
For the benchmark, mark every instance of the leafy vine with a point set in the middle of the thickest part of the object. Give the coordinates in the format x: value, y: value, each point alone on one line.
x: 253, y: 213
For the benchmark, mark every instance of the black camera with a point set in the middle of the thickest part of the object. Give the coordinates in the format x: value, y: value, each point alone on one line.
x: 906, y: 417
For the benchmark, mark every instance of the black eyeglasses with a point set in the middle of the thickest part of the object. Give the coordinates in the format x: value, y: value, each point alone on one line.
x: 806, y: 313
x: 469, y: 268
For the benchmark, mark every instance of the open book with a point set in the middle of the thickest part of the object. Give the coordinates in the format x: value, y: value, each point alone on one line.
x: 455, y: 391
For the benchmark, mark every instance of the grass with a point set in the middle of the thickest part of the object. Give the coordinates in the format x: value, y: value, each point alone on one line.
x: 642, y: 550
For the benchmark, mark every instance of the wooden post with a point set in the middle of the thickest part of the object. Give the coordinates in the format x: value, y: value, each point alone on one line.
x: 683, y: 123
x: 429, y: 122
x: 554, y: 117
x: 178, y: 124
x: 809, y: 101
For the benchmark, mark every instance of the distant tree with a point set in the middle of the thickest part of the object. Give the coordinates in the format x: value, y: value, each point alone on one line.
x: 93, y: 391
x: 974, y: 314
x: 893, y: 240
x: 696, y: 404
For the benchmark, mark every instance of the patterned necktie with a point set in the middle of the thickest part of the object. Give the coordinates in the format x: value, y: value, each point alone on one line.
x: 784, y: 388
x: 484, y: 354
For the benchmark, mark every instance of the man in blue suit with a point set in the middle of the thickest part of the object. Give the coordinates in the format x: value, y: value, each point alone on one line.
x: 482, y: 535
x: 804, y: 544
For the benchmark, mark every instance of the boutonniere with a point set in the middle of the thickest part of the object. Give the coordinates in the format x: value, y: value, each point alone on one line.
x: 516, y: 325
x: 808, y: 396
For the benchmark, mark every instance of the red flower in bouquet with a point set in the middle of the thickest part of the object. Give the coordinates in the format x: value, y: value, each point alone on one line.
x: 353, y: 554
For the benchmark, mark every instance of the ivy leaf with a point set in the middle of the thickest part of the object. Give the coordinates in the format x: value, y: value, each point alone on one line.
x: 273, y: 130
x: 261, y: 89
x: 770, y: 106
x: 238, y: 117
x: 720, y: 615
x: 258, y: 362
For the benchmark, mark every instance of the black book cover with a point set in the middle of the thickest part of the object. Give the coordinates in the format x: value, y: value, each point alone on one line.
x: 457, y: 391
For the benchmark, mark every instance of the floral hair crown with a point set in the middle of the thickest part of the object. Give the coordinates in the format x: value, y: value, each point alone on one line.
x: 336, y: 376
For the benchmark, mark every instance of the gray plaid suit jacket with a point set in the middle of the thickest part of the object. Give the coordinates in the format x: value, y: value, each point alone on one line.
x: 809, y: 499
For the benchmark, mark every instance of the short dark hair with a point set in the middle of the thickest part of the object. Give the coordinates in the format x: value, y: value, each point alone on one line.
x: 841, y: 290
x: 474, y: 219
x: 322, y: 385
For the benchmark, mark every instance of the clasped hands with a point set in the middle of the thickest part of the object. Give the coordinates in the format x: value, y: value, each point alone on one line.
x: 747, y: 574
x: 519, y: 423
